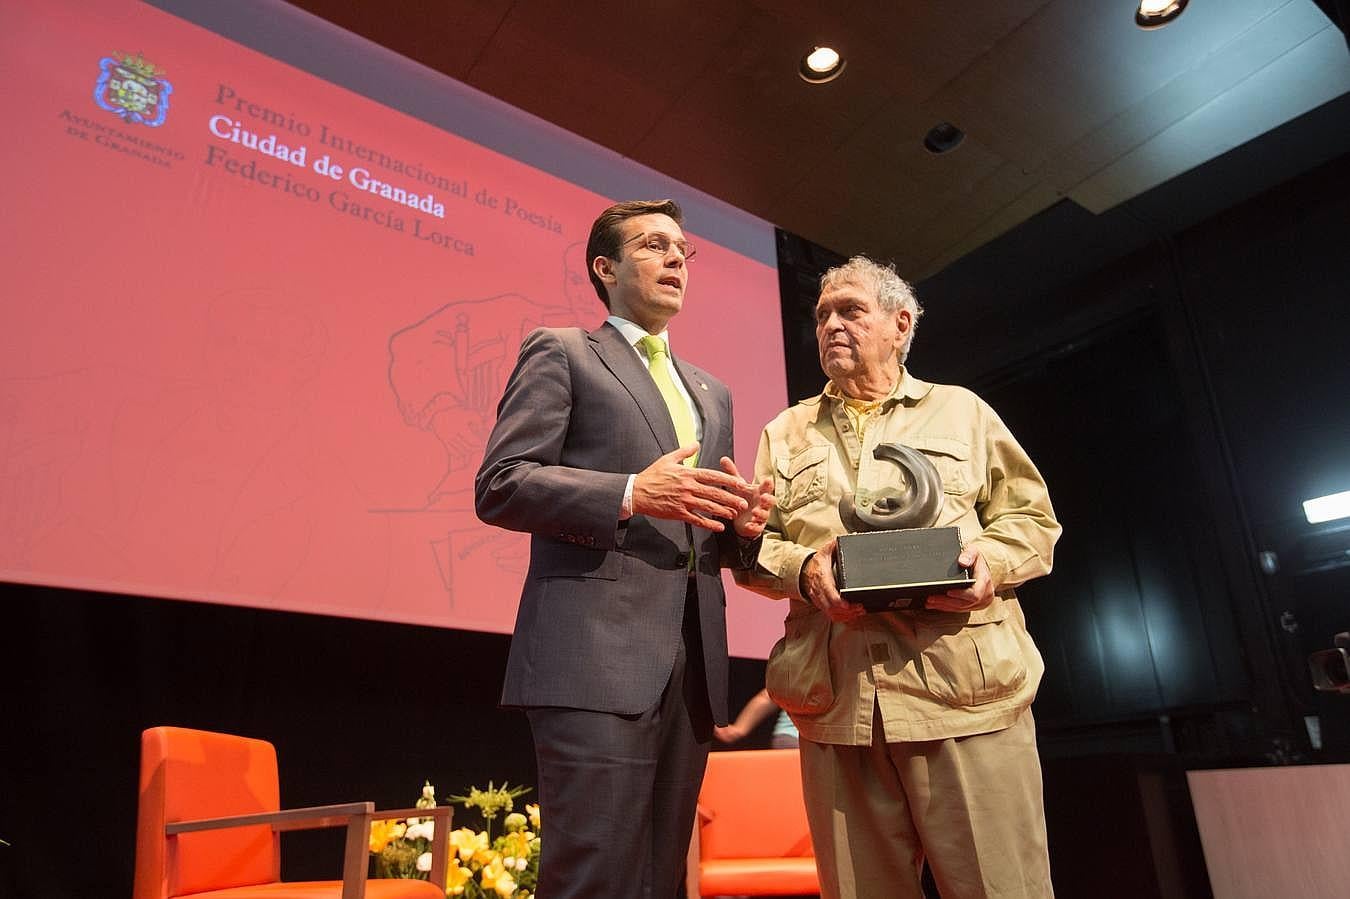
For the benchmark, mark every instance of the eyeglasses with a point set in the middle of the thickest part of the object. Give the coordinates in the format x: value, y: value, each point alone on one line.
x: 659, y: 245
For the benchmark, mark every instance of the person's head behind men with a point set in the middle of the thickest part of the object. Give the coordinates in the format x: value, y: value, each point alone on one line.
x: 865, y: 322
x: 638, y: 256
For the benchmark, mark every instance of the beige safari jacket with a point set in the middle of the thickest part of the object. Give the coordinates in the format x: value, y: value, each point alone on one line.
x: 933, y: 674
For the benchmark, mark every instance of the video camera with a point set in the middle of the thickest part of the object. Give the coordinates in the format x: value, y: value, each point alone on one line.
x: 1331, y: 667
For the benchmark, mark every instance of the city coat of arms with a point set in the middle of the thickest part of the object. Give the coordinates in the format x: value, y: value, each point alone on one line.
x: 133, y: 88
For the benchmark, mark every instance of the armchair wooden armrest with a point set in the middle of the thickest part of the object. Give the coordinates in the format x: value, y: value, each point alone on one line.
x: 310, y: 818
x: 356, y: 817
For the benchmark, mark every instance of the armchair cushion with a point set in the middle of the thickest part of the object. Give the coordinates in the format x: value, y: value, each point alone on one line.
x: 752, y: 833
x: 190, y: 774
x: 759, y: 877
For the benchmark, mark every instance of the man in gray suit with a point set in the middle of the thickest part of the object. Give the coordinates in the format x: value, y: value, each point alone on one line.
x: 615, y: 457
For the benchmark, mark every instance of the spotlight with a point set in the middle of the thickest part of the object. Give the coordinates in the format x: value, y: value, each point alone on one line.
x: 1157, y: 13
x: 943, y: 138
x: 822, y: 64
x: 1327, y: 508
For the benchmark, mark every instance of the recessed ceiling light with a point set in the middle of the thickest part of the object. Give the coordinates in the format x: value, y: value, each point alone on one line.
x: 822, y: 64
x: 943, y: 138
x: 1157, y: 13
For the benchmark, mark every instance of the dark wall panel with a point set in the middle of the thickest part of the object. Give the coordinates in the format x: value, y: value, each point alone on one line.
x: 1126, y: 621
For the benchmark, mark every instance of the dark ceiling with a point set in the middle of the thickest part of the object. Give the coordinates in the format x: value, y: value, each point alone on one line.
x: 1069, y: 108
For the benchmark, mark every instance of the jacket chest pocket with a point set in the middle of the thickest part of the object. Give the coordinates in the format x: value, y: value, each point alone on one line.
x: 951, y: 457
x: 801, y: 477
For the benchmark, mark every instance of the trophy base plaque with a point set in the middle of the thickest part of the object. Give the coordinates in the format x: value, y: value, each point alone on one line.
x: 887, y: 570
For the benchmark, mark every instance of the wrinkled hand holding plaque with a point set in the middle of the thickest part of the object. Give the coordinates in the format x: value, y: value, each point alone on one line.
x: 893, y: 557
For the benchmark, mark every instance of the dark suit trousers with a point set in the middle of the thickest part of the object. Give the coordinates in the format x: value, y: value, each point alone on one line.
x: 618, y: 792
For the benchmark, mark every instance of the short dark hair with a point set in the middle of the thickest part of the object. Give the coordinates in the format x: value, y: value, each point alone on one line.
x: 605, y: 239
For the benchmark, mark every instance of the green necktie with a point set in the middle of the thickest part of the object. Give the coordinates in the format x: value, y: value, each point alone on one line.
x: 657, y: 354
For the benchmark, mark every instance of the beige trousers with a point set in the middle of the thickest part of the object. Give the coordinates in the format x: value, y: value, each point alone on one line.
x: 971, y: 806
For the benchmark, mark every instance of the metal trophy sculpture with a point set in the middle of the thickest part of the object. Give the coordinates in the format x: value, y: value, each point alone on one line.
x: 893, y: 557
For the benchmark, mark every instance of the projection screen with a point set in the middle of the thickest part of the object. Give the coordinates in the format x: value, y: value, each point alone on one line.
x: 264, y: 282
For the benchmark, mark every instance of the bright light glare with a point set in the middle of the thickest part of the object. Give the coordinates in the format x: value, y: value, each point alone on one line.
x: 822, y: 59
x: 1327, y: 508
x: 1154, y: 7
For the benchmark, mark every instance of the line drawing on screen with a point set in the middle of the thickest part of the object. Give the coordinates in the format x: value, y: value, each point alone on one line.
x: 447, y: 372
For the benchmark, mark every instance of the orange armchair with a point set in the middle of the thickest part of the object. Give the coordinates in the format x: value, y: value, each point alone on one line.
x: 209, y: 825
x: 751, y: 837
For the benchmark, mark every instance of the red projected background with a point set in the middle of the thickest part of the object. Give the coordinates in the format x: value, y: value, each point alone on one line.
x: 255, y: 329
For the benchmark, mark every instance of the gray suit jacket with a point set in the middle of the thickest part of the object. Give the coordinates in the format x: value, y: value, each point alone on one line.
x: 601, y: 612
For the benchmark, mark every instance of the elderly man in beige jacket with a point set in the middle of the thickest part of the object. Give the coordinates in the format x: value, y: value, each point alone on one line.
x: 917, y: 736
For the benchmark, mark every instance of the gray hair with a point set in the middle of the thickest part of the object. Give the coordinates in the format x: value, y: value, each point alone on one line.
x: 893, y: 293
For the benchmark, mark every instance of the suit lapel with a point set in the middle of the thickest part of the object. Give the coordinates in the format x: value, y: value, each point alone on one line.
x: 625, y: 364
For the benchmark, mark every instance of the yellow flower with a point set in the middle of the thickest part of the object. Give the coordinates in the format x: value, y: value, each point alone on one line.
x: 467, y: 843
x: 514, y: 821
x: 495, y: 877
x: 456, y: 878
x: 381, y: 832
x: 515, y: 845
x: 532, y: 809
